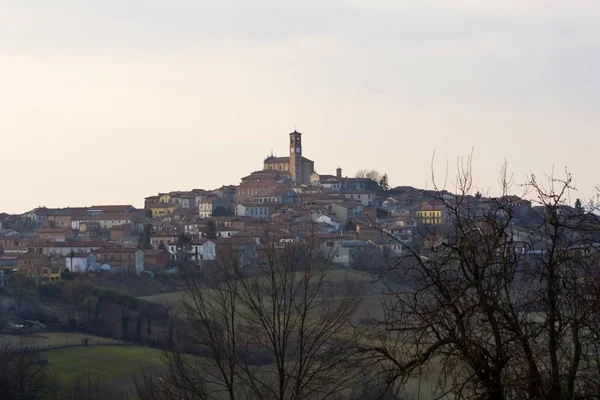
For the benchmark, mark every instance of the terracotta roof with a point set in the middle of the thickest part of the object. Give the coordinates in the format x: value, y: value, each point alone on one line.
x: 153, y: 252
x: 116, y: 250
x: 112, y: 208
x: 74, y: 243
x: 54, y: 230
x: 210, y: 200
x: 273, y: 160
x: 106, y: 217
x: 260, y: 205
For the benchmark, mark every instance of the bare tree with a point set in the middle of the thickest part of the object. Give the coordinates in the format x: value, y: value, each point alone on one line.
x: 274, y: 331
x: 369, y: 174
x: 505, y: 310
x: 23, y: 372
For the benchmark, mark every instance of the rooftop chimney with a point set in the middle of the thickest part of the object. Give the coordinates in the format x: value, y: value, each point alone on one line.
x: 338, y: 172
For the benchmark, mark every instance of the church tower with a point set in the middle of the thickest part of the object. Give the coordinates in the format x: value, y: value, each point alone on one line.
x: 296, y: 168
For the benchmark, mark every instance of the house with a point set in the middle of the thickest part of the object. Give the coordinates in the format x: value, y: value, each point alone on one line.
x: 400, y: 231
x: 334, y: 224
x: 62, y: 249
x: 162, y: 209
x: 150, y: 201
x: 369, y: 232
x: 261, y: 182
x: 366, y: 198
x: 106, y: 221
x: 226, y: 193
x: 10, y: 243
x: 81, y: 262
x: 210, y: 205
x: 183, y: 199
x: 38, y: 266
x: 120, y: 233
x: 358, y: 184
x: 343, y: 252
x: 430, y: 213
x: 259, y: 211
x: 110, y: 209
x: 156, y: 259
x: 280, y: 196
x: 346, y: 210
x: 331, y: 184
x: 8, y: 262
x: 195, y: 251
x: 126, y: 257
x: 38, y: 215
x: 61, y: 217
x: 163, y: 238
x: 239, y: 250
x: 55, y: 234
x: 9, y: 232
x: 4, y: 218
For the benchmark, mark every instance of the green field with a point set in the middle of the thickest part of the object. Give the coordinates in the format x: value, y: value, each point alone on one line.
x: 56, y: 339
x: 336, y: 275
x: 112, y: 366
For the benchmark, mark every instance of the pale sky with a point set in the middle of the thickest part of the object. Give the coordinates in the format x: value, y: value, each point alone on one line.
x: 112, y: 101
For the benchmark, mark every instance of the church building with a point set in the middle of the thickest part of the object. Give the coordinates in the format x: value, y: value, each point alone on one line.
x: 298, y: 167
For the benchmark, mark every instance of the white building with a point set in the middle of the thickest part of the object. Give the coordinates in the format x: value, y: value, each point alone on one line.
x: 81, y: 262
x: 259, y: 211
x: 336, y: 225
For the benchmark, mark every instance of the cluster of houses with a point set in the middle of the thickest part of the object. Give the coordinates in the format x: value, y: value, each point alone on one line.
x: 345, y: 217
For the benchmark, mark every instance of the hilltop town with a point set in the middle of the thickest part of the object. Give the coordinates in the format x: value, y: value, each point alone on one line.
x: 346, y: 216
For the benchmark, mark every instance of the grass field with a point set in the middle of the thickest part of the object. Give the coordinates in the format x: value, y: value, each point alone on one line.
x: 336, y: 275
x: 114, y: 366
x: 57, y: 339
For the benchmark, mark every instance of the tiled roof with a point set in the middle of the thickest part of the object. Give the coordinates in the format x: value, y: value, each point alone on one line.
x: 113, y: 208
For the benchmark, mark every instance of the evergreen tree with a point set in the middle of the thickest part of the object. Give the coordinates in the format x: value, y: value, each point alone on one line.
x: 211, y: 230
x: 383, y: 183
x: 579, y: 206
x: 144, y: 239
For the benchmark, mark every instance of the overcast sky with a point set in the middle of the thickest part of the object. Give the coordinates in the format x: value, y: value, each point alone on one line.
x: 111, y: 101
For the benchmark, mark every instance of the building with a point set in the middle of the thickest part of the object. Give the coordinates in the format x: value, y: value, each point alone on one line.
x: 106, y: 221
x: 38, y: 266
x: 282, y: 196
x: 227, y: 193
x: 10, y: 243
x: 346, y: 210
x: 183, y: 199
x: 120, y: 233
x: 253, y: 210
x: 55, y: 234
x: 9, y: 232
x: 237, y: 250
x: 81, y: 262
x: 209, y: 205
x: 365, y: 197
x: 343, y: 252
x: 63, y: 249
x: 429, y: 213
x: 156, y: 259
x: 162, y: 209
x: 128, y: 258
x: 195, y: 250
x: 261, y: 183
x: 110, y: 209
x: 298, y: 167
x: 163, y: 238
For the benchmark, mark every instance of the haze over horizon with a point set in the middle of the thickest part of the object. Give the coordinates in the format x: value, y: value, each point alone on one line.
x: 113, y: 101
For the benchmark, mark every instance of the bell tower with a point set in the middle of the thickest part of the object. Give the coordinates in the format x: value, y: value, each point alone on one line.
x: 296, y: 156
